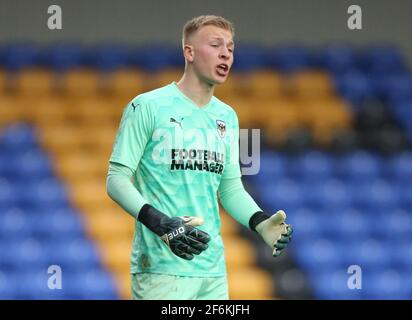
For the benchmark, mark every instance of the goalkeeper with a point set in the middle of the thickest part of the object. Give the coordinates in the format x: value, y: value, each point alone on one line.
x: 175, y: 153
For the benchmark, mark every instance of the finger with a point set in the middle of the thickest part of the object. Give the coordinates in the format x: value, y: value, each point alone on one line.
x: 276, y: 253
x: 278, y: 218
x: 289, y: 230
x: 192, y: 221
x: 183, y: 254
x: 183, y: 250
x: 199, y: 235
x: 284, y: 239
x: 193, y: 250
x: 280, y: 245
x: 193, y: 242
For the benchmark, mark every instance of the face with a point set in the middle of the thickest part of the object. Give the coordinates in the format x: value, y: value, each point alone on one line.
x: 210, y: 52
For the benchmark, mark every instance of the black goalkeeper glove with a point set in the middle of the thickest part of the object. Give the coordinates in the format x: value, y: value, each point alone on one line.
x: 179, y: 233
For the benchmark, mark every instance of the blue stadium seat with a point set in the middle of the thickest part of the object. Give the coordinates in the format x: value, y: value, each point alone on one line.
x: 399, y: 167
x: 402, y: 110
x: 341, y: 225
x: 34, y: 285
x: 307, y: 224
x: 387, y: 284
x: 289, y: 58
x: 369, y: 253
x: 46, y: 194
x: 31, y: 165
x: 25, y: 254
x: 32, y: 252
x: 335, y: 196
x: 110, y: 57
x: 333, y: 284
x: 395, y: 88
x: 8, y: 285
x: 249, y: 58
x: 311, y: 166
x: 58, y: 224
x: 376, y: 195
x: 359, y: 166
x: 64, y: 56
x: 317, y: 255
x: 7, y: 260
x: 338, y: 58
x: 92, y: 285
x: 74, y: 254
x: 328, y: 195
x: 400, y: 255
x: 283, y: 194
x: 405, y: 196
x: 26, y: 166
x: 273, y: 166
x: 20, y: 55
x: 8, y: 198
x: 14, y: 224
x: 398, y: 225
x: 382, y: 60
x: 144, y: 58
x: 355, y: 87
x: 7, y: 170
x: 16, y: 138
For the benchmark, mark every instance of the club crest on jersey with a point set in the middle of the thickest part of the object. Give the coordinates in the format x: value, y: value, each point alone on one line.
x: 221, y: 128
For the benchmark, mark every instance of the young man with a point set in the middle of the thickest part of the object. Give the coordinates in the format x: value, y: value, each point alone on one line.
x: 176, y: 151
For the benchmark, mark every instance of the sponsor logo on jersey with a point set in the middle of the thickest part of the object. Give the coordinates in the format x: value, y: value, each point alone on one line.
x: 197, y: 159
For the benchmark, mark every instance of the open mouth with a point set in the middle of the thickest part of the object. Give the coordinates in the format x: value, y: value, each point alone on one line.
x: 222, y: 69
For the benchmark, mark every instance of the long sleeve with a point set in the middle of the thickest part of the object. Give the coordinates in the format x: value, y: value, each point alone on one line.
x: 237, y: 201
x: 121, y: 189
x: 135, y: 130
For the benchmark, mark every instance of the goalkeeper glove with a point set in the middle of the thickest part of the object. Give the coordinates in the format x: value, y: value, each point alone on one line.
x: 274, y: 231
x: 178, y: 233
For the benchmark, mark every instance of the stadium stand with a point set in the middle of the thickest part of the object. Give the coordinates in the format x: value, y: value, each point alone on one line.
x: 336, y: 129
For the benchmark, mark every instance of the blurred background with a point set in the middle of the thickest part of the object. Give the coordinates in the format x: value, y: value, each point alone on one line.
x: 334, y: 107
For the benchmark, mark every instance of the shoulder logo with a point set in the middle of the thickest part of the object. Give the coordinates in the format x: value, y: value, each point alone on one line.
x: 135, y: 106
x: 221, y: 128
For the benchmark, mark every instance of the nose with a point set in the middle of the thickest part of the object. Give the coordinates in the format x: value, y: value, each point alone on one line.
x: 224, y: 53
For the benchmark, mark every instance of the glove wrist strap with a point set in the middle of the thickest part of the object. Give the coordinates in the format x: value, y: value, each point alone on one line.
x: 152, y: 218
x: 257, y: 218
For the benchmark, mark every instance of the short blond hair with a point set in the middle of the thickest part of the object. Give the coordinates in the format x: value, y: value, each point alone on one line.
x: 198, y: 22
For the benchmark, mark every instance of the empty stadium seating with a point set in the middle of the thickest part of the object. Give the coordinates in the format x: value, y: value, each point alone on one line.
x: 59, y: 111
x: 39, y: 228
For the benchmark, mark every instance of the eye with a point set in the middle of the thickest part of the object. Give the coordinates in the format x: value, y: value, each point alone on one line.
x: 214, y: 45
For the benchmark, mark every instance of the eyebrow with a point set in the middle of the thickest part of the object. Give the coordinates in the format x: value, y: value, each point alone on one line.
x: 220, y: 38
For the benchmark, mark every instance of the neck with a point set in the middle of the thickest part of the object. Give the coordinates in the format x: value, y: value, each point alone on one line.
x: 196, y: 90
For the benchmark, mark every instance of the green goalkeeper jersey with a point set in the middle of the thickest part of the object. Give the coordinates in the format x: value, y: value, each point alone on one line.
x: 180, y: 152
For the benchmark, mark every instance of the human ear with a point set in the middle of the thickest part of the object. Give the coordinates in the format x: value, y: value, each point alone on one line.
x: 188, y: 52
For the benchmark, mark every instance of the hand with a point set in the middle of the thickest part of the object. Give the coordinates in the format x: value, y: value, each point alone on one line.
x: 275, y: 232
x: 178, y: 233
x: 183, y: 238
